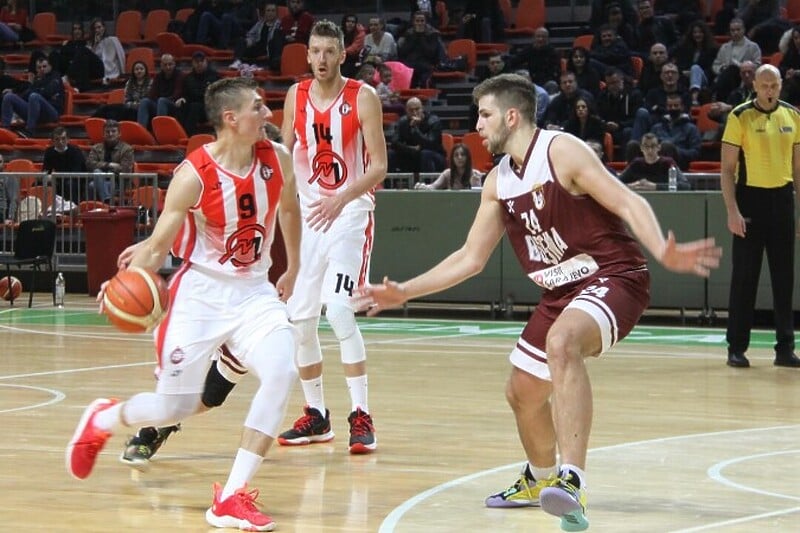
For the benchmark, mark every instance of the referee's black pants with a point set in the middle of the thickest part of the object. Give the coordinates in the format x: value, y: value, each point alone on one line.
x: 769, y: 216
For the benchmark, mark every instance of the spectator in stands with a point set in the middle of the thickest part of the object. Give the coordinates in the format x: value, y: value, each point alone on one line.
x: 584, y: 122
x: 730, y: 55
x: 650, y: 171
x: 9, y: 195
x: 655, y: 101
x: 482, y: 21
x: 110, y: 156
x: 82, y: 64
x: 625, y: 31
x: 264, y: 41
x: 421, y: 49
x: 190, y: 28
x: 653, y: 29
x: 191, y: 104
x: 10, y: 84
x: 165, y: 90
x: 541, y: 59
x: 651, y: 71
x: 679, y: 137
x: 296, y: 25
x: 562, y: 105
x: 14, y: 24
x: 719, y: 110
x: 601, y: 155
x: 766, y: 29
x: 109, y: 50
x: 459, y: 176
x: 494, y: 65
x: 354, y: 34
x: 600, y: 8
x: 609, y: 50
x: 790, y: 69
x: 379, y: 45
x: 417, y: 144
x: 390, y: 100
x: 694, y: 55
x: 219, y: 27
x: 723, y: 18
x: 42, y: 101
x: 586, y: 77
x: 682, y: 12
x: 428, y: 8
x: 617, y: 104
x: 61, y: 156
x: 137, y: 88
x: 70, y: 48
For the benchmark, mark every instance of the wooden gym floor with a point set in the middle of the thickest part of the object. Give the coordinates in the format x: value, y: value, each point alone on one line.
x: 680, y: 443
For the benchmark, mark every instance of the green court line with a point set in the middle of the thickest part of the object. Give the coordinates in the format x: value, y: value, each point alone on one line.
x: 654, y: 335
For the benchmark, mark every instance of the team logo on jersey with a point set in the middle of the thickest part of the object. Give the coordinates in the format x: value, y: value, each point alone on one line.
x: 266, y: 172
x: 329, y: 170
x: 510, y: 206
x: 538, y: 197
x: 345, y: 109
x: 243, y: 247
x: 177, y: 356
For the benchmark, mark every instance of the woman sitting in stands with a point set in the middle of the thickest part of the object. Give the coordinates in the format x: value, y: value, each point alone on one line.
x: 136, y: 88
x: 14, y: 24
x: 108, y: 49
x: 584, y: 123
x: 460, y: 175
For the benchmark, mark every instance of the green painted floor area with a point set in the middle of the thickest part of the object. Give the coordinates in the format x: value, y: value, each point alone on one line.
x: 438, y: 328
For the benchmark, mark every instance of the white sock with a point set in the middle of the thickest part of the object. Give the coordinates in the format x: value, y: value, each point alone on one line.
x: 542, y: 473
x: 244, y: 468
x: 315, y: 396
x: 578, y: 472
x: 109, y: 419
x: 358, y: 392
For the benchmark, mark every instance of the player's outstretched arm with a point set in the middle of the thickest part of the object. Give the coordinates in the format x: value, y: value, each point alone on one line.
x: 486, y: 231
x: 580, y: 172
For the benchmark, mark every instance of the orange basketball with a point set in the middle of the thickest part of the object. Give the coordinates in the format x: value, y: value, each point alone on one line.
x: 136, y: 300
x: 7, y: 289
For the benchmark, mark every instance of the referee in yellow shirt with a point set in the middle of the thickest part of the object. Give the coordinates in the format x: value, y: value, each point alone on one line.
x: 760, y: 178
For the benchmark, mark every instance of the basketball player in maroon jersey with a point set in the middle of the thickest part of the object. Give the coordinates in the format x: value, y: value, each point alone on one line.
x: 334, y: 127
x: 219, y: 217
x: 565, y: 217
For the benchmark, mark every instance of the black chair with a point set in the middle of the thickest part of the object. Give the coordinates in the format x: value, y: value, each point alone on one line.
x: 33, y: 247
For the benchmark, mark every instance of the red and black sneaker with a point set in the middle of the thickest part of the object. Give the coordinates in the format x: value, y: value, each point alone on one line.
x: 309, y: 428
x: 362, y: 432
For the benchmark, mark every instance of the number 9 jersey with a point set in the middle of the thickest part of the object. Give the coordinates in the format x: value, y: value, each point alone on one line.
x: 230, y: 229
x: 329, y: 154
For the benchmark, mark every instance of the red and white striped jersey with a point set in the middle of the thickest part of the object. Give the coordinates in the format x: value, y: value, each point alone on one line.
x: 230, y: 229
x: 329, y: 152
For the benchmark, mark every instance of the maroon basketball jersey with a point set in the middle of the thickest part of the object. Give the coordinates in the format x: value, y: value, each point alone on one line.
x: 560, y: 239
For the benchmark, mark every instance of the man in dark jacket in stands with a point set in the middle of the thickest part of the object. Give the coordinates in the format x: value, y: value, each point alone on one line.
x: 42, y: 101
x: 166, y: 88
x: 617, y: 105
x: 417, y: 144
x: 541, y: 60
x: 64, y: 157
x: 191, y: 104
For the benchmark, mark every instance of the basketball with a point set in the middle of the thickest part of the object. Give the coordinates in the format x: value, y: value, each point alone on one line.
x: 136, y: 300
x: 7, y: 289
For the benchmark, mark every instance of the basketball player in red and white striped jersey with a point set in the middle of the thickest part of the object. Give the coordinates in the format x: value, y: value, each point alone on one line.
x: 334, y: 127
x: 219, y: 216
x: 566, y: 218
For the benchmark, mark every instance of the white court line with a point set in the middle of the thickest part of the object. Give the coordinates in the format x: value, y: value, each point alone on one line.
x: 715, y: 473
x: 57, y: 397
x: 392, y: 519
x: 737, y: 521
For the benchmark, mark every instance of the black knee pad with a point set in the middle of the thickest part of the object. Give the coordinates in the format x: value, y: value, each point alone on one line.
x: 216, y: 389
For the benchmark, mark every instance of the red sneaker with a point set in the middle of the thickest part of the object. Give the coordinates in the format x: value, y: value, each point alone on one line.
x: 88, y: 440
x: 238, y: 511
x: 362, y: 432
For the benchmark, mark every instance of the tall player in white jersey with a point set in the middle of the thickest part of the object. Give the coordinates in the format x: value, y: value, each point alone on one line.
x: 334, y: 127
x: 564, y: 215
x: 219, y: 217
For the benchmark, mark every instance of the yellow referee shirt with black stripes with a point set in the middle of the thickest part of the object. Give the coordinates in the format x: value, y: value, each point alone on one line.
x: 766, y: 142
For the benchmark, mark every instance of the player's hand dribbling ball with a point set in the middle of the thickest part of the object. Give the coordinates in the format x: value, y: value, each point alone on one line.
x: 7, y: 289
x: 136, y: 300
